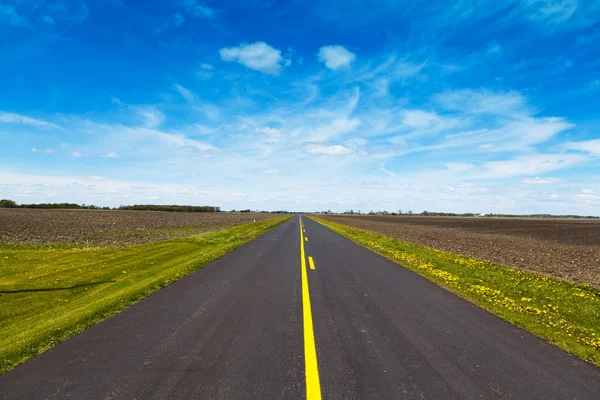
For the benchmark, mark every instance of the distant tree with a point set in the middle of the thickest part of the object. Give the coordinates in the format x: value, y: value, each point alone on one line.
x: 8, y: 204
x: 400, y: 212
x: 410, y: 212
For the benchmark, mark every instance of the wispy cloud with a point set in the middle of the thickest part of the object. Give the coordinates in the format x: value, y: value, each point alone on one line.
x: 48, y: 19
x: 10, y: 16
x: 151, y: 117
x: 185, y: 93
x: 198, y: 9
x: 552, y: 11
x: 42, y: 151
x: 587, y: 146
x: 540, y: 181
x: 469, y: 101
x: 74, y: 11
x: 334, y: 150
x: 110, y: 154
x: 12, y: 118
x: 529, y: 164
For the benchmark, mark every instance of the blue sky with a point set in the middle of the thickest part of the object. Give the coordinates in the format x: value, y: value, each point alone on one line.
x: 303, y: 105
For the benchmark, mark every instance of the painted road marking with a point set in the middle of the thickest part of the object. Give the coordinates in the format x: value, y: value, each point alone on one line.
x: 306, y: 238
x: 311, y: 368
x: 311, y: 262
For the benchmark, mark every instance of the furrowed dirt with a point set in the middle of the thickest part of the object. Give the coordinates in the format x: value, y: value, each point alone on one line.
x: 111, y: 228
x: 568, y: 249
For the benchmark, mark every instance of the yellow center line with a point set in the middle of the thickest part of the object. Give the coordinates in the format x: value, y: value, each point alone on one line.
x: 306, y: 238
x: 311, y: 262
x: 313, y: 384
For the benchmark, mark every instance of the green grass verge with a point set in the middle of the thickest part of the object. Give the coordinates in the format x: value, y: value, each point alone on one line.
x: 50, y: 293
x: 565, y: 314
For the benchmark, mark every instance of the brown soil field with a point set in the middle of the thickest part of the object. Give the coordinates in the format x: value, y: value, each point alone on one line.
x: 112, y: 228
x: 567, y: 249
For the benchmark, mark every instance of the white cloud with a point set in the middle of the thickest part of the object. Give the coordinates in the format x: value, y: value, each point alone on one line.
x: 185, y: 93
x: 271, y: 132
x: 335, y: 150
x: 540, y: 181
x: 588, y: 146
x: 271, y: 171
x: 207, y: 66
x: 587, y: 197
x: 530, y: 164
x: 511, y: 104
x: 336, y: 57
x: 12, y: 118
x: 333, y: 129
x: 419, y: 118
x: 196, y: 9
x: 150, y: 116
x: 42, y: 151
x: 258, y: 56
x: 421, y: 122
x: 156, y: 139
x: 110, y: 154
x: 553, y: 11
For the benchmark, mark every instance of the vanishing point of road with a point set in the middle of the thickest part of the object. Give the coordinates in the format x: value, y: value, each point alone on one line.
x: 303, y: 313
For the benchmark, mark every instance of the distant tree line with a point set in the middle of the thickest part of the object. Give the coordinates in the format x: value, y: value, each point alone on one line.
x: 173, y: 208
x: 62, y: 206
x: 446, y: 214
x: 142, y: 207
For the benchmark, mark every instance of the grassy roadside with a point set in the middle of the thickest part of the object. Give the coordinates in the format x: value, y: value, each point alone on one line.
x: 50, y: 293
x: 563, y: 313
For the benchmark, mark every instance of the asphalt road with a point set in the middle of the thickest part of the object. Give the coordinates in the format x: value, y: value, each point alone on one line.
x: 256, y: 325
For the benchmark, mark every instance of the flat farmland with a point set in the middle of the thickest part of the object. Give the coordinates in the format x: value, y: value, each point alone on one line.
x: 63, y: 271
x: 111, y: 228
x: 567, y: 249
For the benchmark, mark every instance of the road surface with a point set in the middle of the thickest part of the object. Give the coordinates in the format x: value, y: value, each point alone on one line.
x: 294, y: 315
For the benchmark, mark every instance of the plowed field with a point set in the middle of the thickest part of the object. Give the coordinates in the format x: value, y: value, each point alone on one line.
x: 568, y: 249
x: 113, y: 228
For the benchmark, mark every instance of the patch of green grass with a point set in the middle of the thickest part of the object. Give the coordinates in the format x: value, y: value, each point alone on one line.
x: 50, y: 293
x: 565, y: 314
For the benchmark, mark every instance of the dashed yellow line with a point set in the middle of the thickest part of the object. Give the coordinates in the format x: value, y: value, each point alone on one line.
x: 311, y: 262
x: 306, y: 238
x: 311, y: 367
